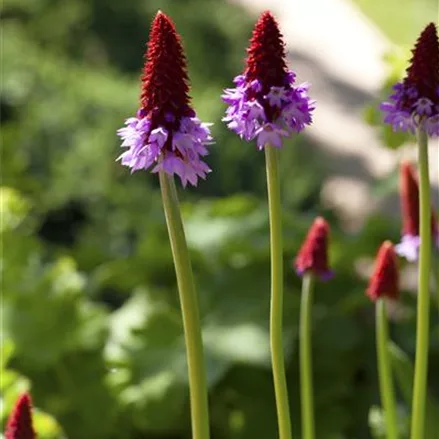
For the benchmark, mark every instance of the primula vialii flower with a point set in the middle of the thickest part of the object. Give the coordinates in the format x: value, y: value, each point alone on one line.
x: 410, y: 242
x: 415, y: 101
x: 166, y: 134
x: 385, y: 279
x: 265, y: 104
x: 19, y: 424
x: 313, y: 255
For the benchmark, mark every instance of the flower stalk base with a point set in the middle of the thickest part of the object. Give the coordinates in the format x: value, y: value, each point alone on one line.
x: 189, y: 309
x: 423, y: 307
x: 385, y: 371
x: 276, y: 307
x: 307, y: 393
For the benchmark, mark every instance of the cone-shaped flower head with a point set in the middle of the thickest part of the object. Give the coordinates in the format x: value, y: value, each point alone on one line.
x: 166, y: 134
x: 313, y: 255
x: 19, y: 424
x: 385, y: 279
x: 266, y: 104
x: 409, y: 193
x: 415, y: 101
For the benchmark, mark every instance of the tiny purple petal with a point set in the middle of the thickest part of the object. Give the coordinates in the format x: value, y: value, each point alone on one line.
x: 424, y: 106
x: 296, y: 115
x: 141, y: 113
x: 255, y: 86
x: 158, y: 136
x: 411, y: 93
x: 325, y: 276
x: 254, y: 110
x: 233, y: 96
x: 291, y: 77
x: 270, y: 135
x: 409, y: 247
x: 277, y: 96
x: 431, y: 125
x: 400, y: 121
x: 239, y: 80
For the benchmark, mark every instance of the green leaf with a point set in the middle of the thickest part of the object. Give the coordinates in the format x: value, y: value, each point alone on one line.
x: 13, y: 208
x: 146, y: 346
x: 55, y: 301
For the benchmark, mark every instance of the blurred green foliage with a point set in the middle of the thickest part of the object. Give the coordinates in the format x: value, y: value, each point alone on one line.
x: 400, y: 20
x: 90, y: 313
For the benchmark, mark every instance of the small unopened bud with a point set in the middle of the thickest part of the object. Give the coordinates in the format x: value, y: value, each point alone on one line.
x: 384, y: 281
x: 409, y: 193
x: 19, y: 424
x: 313, y: 255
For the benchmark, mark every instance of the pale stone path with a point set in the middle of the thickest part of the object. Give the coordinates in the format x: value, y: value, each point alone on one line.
x: 335, y: 47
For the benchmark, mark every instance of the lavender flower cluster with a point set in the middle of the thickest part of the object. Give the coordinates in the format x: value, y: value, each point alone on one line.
x: 406, y: 110
x: 177, y: 152
x: 268, y: 118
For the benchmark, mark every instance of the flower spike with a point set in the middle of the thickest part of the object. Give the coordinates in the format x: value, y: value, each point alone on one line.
x: 266, y: 105
x: 313, y: 255
x: 165, y: 86
x: 19, y: 424
x: 409, y: 193
x: 266, y: 54
x: 166, y: 134
x: 385, y: 279
x: 415, y: 101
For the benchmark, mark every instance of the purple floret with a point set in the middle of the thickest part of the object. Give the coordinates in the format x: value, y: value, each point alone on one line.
x: 178, y: 152
x: 406, y: 110
x: 267, y: 118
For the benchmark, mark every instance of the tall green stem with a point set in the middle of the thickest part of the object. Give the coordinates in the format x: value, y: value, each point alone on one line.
x: 435, y: 259
x: 189, y: 309
x: 276, y: 309
x: 435, y: 263
x: 306, y: 393
x: 385, y: 371
x: 421, y: 361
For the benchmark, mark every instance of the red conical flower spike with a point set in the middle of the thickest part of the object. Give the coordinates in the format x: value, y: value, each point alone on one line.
x: 266, y: 54
x: 166, y: 135
x: 415, y: 102
x: 423, y: 72
x: 409, y: 199
x: 266, y: 104
x: 165, y: 88
x: 409, y: 246
x: 19, y: 424
x: 313, y: 255
x: 385, y: 279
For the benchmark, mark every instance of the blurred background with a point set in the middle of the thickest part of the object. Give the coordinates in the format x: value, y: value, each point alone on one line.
x: 90, y: 314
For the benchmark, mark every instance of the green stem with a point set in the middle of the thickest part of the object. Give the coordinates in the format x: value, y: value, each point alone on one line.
x: 189, y: 309
x: 435, y: 258
x: 385, y: 371
x: 421, y: 361
x: 435, y: 263
x: 307, y: 394
x: 276, y: 308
